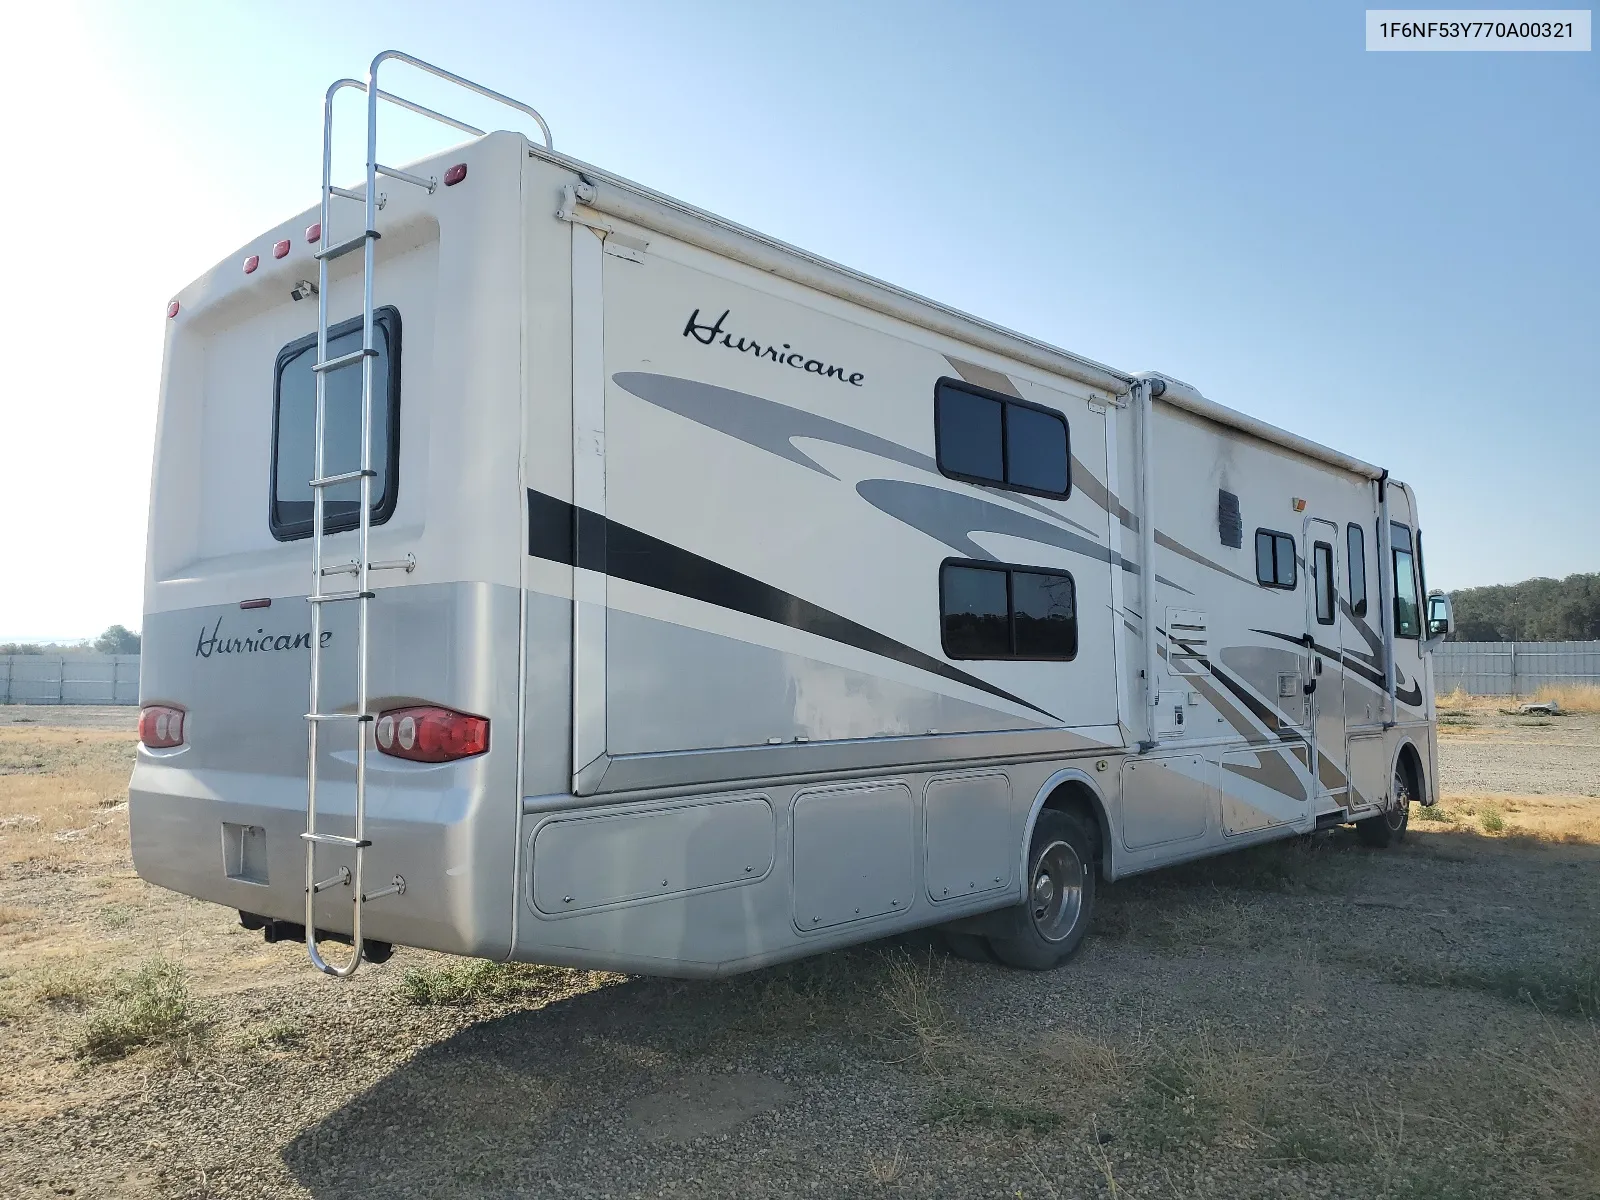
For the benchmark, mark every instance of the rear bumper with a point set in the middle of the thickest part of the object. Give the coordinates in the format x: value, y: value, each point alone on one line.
x: 456, y: 899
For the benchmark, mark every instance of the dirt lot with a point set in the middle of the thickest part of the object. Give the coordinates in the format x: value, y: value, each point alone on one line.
x: 1309, y: 1019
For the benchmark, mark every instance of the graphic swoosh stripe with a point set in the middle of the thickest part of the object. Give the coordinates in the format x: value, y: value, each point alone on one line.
x: 1410, y: 696
x: 564, y: 533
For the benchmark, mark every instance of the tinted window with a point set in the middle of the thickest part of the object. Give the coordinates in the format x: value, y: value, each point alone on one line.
x: 1357, y: 546
x: 294, y: 424
x: 1045, y: 617
x: 1322, y: 577
x: 1036, y: 450
x: 970, y: 434
x: 1275, y: 566
x: 1407, y: 619
x: 986, y: 437
x: 977, y: 620
x: 1007, y: 612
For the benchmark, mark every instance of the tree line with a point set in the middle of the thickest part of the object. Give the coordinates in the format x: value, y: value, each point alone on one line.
x: 1535, y: 610
x: 118, y: 639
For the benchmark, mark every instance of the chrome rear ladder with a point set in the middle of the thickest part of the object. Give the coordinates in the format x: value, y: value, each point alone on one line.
x: 361, y: 593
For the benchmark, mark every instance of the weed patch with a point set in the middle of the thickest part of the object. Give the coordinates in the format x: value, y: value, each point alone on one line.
x: 272, y: 1035
x: 480, y: 983
x: 65, y: 985
x: 967, y: 1107
x: 1206, y: 1090
x: 151, y: 1006
x: 1564, y: 989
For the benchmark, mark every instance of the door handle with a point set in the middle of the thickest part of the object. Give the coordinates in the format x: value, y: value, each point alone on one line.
x: 1310, y: 687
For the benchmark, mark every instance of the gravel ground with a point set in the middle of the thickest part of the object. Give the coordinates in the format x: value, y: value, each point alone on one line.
x: 1313, y: 1019
x: 1513, y: 755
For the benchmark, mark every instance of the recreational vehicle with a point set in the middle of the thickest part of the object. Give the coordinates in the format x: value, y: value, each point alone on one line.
x: 544, y: 569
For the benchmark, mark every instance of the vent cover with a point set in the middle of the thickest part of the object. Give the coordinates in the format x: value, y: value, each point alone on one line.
x: 1186, y: 642
x: 1230, y: 525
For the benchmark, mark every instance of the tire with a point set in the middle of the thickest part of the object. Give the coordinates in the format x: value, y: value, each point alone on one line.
x: 1389, y: 827
x: 972, y: 947
x: 1063, y: 864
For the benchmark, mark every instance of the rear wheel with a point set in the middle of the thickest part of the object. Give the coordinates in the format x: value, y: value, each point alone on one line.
x: 1047, y: 929
x: 1390, y: 826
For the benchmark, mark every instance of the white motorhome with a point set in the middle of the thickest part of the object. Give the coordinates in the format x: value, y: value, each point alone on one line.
x: 681, y: 602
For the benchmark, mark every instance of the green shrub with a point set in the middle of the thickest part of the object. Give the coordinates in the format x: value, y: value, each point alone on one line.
x: 151, y: 1006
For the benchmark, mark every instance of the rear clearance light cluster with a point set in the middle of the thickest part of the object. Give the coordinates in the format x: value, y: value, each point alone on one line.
x: 160, y: 726
x: 427, y: 733
x: 281, y: 249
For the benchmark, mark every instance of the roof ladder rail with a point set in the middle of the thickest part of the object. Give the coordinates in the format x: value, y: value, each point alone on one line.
x: 357, y: 843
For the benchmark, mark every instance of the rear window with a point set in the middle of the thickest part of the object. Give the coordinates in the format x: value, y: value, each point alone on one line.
x: 294, y: 425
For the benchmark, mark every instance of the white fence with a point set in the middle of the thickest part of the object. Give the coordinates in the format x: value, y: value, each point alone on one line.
x: 1514, y: 668
x: 52, y: 679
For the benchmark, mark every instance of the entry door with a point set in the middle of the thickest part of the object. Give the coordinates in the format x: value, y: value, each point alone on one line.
x: 1325, y: 718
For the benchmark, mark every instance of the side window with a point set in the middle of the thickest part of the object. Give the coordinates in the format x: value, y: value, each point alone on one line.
x: 993, y: 611
x: 1322, y: 579
x: 1407, y: 618
x: 985, y: 437
x: 1357, y: 544
x: 1275, y: 567
x: 294, y: 429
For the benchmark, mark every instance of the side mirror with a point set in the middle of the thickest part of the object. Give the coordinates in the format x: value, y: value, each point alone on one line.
x: 1441, y: 616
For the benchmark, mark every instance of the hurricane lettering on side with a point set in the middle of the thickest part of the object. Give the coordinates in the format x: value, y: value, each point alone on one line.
x: 213, y: 642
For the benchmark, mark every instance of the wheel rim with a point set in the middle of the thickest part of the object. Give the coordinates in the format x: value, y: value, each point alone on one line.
x: 1056, y: 897
x: 1400, y: 811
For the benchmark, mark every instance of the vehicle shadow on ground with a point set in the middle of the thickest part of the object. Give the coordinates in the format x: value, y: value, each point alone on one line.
x: 539, y: 1100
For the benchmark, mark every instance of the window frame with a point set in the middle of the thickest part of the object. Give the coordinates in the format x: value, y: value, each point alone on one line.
x: 1418, y: 599
x: 1294, y: 566
x: 961, y: 385
x: 387, y: 318
x: 1324, y: 587
x: 1011, y: 610
x: 1356, y: 551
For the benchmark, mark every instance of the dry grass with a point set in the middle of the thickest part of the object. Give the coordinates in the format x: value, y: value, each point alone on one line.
x: 61, y: 786
x: 1563, y: 1082
x: 1575, y: 698
x: 1548, y: 820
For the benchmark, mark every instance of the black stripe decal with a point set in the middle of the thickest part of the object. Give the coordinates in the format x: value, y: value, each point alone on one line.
x: 563, y: 533
x: 1411, y: 696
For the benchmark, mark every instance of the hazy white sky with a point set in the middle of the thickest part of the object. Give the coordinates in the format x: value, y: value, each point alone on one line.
x: 1395, y: 254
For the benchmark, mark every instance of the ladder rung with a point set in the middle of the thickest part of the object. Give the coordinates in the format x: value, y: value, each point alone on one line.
x: 339, y: 717
x: 346, y: 477
x: 406, y: 177
x: 337, y: 839
x: 354, y: 243
x: 339, y: 597
x: 347, y: 193
x: 344, y: 360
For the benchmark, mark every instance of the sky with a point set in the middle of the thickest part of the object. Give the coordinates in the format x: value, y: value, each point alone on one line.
x: 1395, y: 254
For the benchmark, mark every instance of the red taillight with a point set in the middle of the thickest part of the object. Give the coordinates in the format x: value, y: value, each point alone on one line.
x: 172, y: 309
x: 429, y: 734
x: 314, y: 232
x: 455, y: 175
x: 251, y: 263
x: 279, y: 249
x: 161, y: 726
